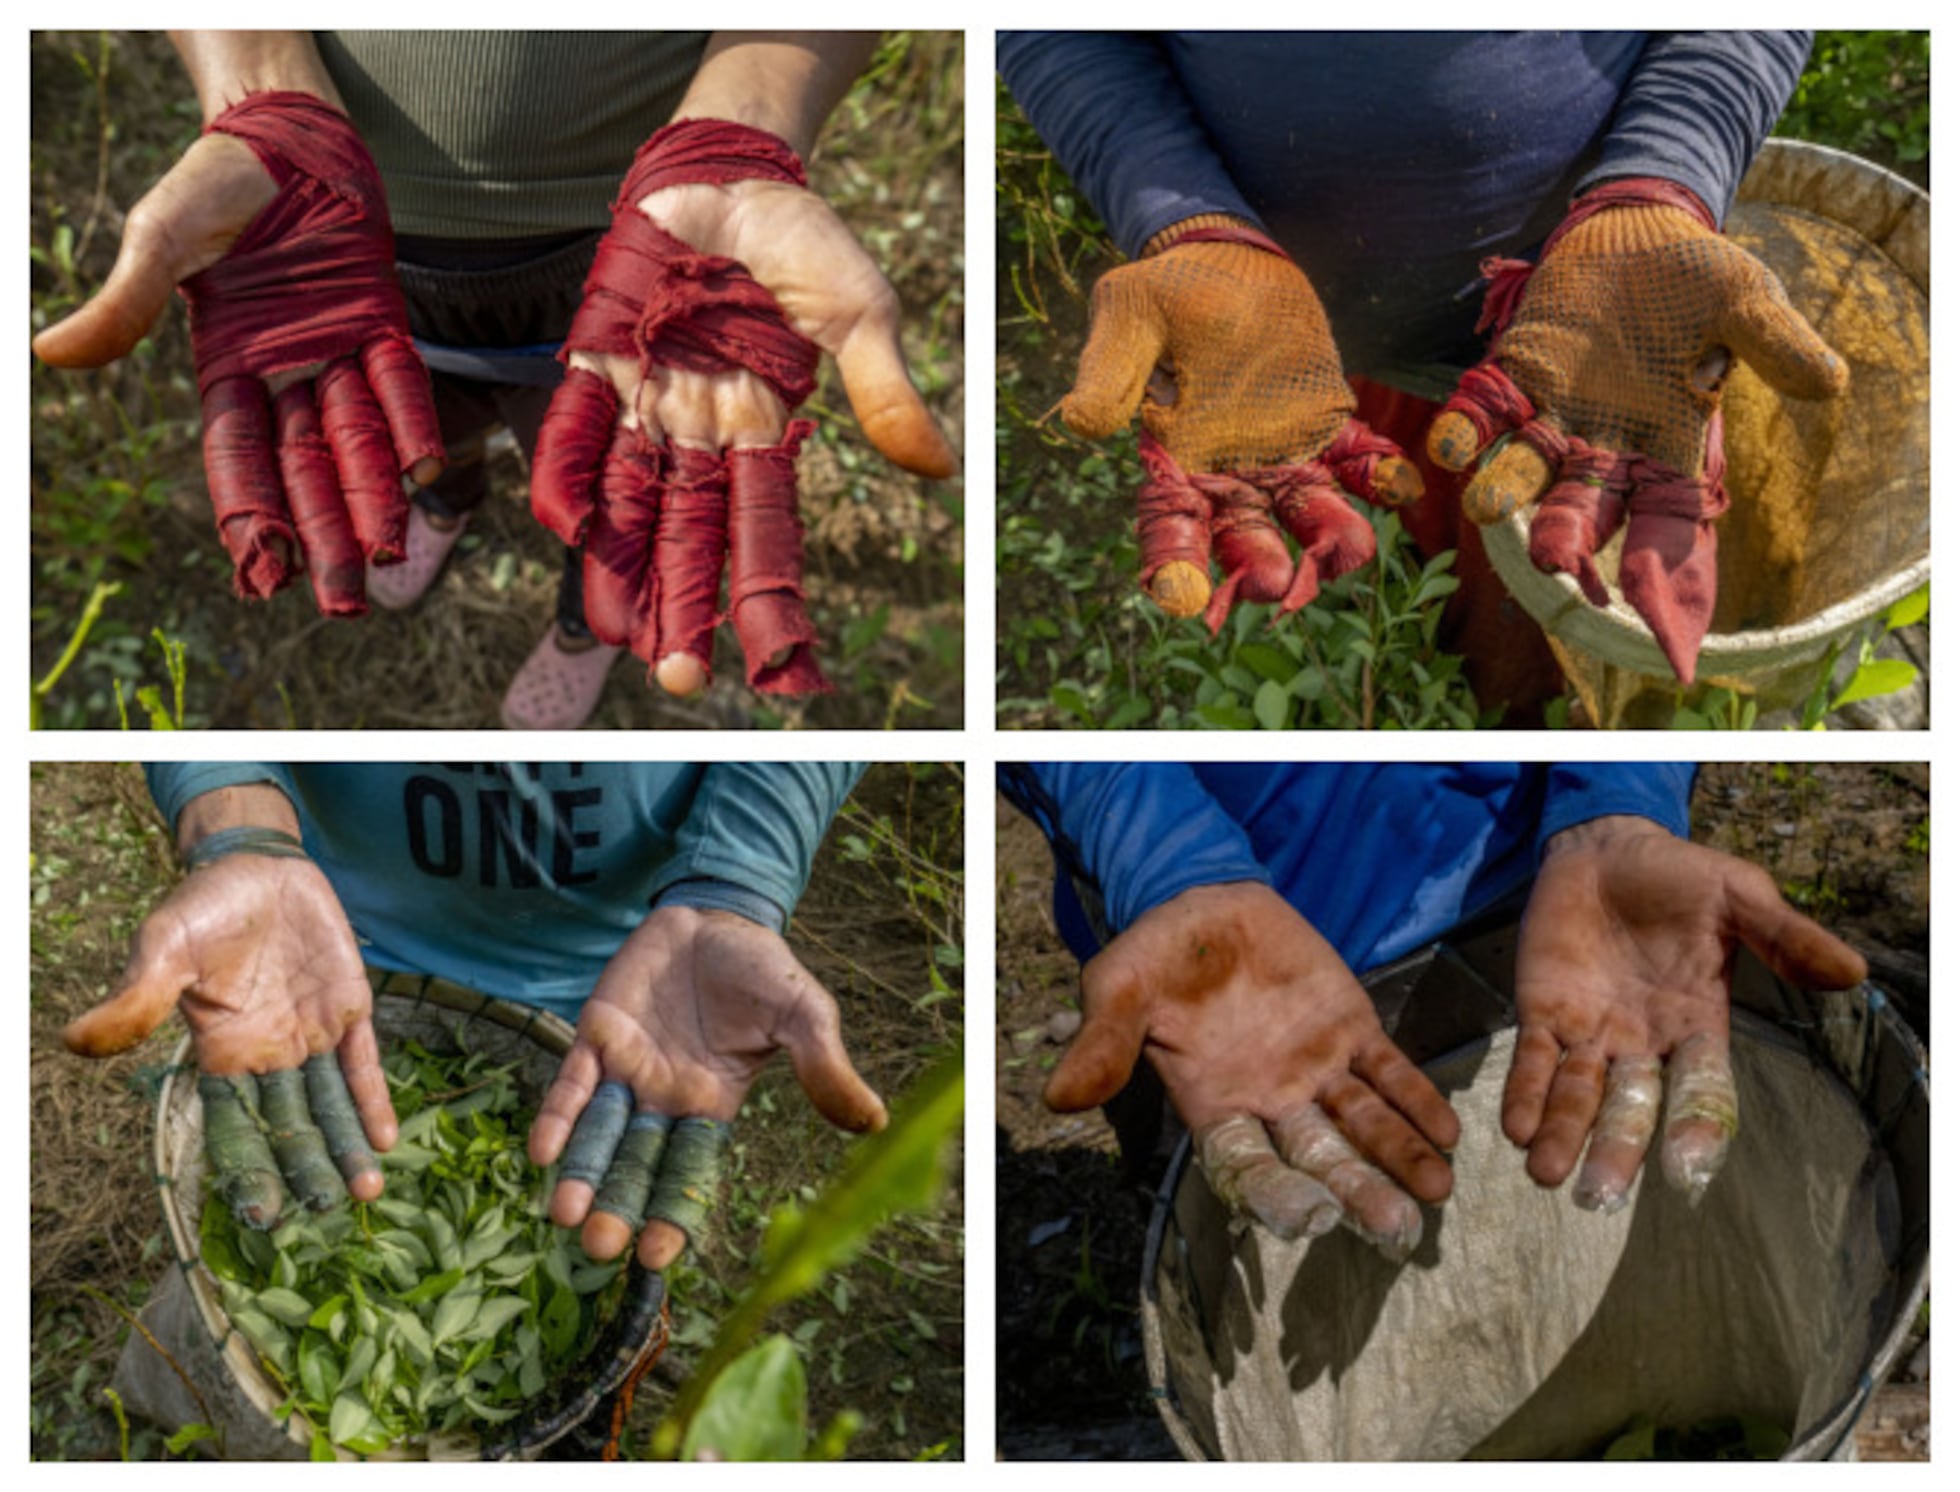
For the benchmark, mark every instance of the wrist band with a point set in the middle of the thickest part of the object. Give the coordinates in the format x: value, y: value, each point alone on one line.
x: 243, y: 839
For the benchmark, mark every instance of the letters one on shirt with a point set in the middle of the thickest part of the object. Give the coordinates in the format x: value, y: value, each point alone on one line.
x: 517, y: 835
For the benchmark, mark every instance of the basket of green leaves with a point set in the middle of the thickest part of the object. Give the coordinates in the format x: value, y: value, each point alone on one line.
x: 442, y: 1321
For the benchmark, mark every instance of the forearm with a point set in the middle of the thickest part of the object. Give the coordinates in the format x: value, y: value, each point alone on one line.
x: 754, y: 827
x: 1698, y: 107
x: 1111, y: 108
x: 1581, y: 793
x: 224, y: 66
x: 259, y: 805
x: 780, y: 81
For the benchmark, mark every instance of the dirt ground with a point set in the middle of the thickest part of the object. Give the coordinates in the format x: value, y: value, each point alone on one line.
x: 1848, y: 842
x: 118, y: 486
x: 885, y: 1337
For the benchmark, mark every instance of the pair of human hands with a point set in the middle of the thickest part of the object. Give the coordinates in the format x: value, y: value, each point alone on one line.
x: 1599, y: 403
x: 253, y: 222
x: 258, y: 955
x: 1304, y: 1113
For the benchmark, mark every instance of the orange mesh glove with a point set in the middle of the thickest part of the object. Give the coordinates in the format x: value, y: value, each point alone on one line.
x: 1219, y: 338
x: 1608, y: 368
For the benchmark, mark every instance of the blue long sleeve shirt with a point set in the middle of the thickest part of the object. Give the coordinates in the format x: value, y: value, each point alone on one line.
x: 1382, y: 858
x: 1391, y: 164
x: 522, y: 880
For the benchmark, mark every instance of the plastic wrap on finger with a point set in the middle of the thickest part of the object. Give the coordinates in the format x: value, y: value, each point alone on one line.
x: 1701, y: 1114
x: 1247, y: 1175
x: 1621, y: 1132
x: 333, y: 1110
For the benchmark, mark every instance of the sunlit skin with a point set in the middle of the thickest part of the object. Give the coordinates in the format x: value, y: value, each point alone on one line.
x: 686, y: 1015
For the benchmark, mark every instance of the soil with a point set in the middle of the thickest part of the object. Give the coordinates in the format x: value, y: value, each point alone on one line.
x: 1849, y: 843
x: 884, y: 1337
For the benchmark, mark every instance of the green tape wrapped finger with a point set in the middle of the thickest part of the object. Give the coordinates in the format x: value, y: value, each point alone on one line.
x: 244, y: 1174
x: 621, y: 1205
x: 296, y: 1140
x: 689, y: 1175
x: 340, y: 1122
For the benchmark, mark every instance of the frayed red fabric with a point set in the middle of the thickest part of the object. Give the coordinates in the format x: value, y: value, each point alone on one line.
x: 1191, y: 516
x: 310, y: 280
x: 765, y: 568
x: 653, y: 298
x: 1667, y: 564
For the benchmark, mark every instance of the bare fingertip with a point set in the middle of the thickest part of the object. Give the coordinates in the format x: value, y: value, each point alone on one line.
x: 661, y: 1244
x: 365, y: 1186
x: 1180, y: 588
x: 605, y: 1236
x: 570, y: 1202
x: 681, y: 674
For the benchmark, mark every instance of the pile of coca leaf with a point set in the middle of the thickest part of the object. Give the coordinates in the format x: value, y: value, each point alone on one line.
x: 443, y: 1306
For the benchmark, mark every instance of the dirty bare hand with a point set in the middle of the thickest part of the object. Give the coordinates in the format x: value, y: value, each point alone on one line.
x: 1302, y: 1111
x: 676, y: 1030
x: 1623, y: 1001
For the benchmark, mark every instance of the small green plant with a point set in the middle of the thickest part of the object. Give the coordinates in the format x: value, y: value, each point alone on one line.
x: 1873, y: 675
x: 1868, y: 92
x: 748, y: 1400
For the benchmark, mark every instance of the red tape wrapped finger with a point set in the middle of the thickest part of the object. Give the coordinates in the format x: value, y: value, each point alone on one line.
x: 1372, y: 467
x: 246, y: 497
x: 573, y: 440
x: 1251, y: 554
x: 618, y: 567
x: 689, y: 548
x: 765, y: 568
x: 1584, y: 509
x: 1333, y: 538
x: 334, y: 563
x: 364, y: 455
x: 1173, y: 533
x: 401, y: 387
x: 1486, y: 404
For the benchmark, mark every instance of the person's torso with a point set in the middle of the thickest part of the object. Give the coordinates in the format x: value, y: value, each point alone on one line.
x: 518, y: 880
x: 507, y: 134
x: 1390, y: 165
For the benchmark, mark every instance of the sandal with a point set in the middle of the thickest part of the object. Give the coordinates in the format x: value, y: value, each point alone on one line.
x: 398, y: 587
x: 557, y: 689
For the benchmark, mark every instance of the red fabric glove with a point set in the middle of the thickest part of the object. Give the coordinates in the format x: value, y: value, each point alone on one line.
x: 657, y: 520
x: 315, y: 476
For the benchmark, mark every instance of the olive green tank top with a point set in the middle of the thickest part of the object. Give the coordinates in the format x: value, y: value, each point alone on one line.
x: 507, y: 134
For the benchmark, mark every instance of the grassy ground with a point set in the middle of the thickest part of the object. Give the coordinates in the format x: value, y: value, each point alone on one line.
x: 1849, y: 843
x: 1079, y: 646
x: 118, y: 486
x: 882, y: 918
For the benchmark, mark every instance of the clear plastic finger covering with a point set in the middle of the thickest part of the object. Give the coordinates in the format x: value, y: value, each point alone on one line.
x: 1527, y: 1327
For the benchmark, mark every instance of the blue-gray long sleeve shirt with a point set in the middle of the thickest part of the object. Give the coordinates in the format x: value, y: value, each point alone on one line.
x: 523, y: 879
x: 1391, y: 164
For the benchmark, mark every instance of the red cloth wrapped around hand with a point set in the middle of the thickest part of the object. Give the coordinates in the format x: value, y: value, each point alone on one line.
x: 658, y: 521
x: 310, y: 281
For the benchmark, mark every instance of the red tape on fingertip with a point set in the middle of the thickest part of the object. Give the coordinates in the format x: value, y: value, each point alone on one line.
x: 765, y: 568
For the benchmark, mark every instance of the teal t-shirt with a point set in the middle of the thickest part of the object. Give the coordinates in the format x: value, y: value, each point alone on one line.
x: 523, y: 879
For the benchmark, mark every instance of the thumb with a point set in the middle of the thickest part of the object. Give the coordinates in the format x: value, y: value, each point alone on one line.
x: 1126, y: 338
x: 823, y: 1067
x: 1762, y: 328
x: 889, y: 410
x: 1099, y: 1061
x: 185, y: 223
x: 159, y: 971
x: 1782, y: 937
